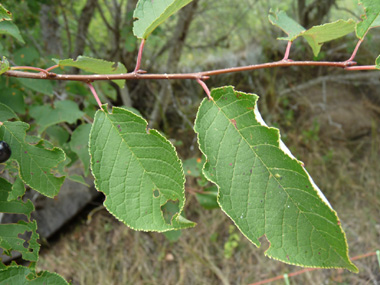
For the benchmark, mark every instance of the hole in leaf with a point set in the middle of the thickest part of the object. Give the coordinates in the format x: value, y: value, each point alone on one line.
x: 156, y: 193
x: 169, y: 209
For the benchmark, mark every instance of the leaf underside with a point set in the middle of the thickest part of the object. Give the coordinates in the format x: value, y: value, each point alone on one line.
x: 263, y: 190
x: 137, y: 170
x: 316, y: 35
x: 150, y: 14
x: 95, y: 65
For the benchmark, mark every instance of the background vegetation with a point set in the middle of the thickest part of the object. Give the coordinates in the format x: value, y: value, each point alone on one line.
x: 328, y: 117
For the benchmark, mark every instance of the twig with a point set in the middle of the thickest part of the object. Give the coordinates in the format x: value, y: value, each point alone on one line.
x: 355, y: 50
x: 29, y: 68
x: 139, y: 56
x: 93, y: 91
x: 287, y: 52
x: 348, y: 65
x: 205, y: 88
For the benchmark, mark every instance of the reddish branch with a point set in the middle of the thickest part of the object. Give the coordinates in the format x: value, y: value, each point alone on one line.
x: 197, y: 75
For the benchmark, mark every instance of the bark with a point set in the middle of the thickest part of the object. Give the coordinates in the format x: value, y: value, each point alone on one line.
x: 186, y: 16
x: 84, y: 22
x: 50, y: 29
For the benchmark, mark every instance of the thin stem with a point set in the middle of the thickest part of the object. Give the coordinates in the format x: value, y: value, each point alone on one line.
x: 198, y: 75
x: 139, y: 56
x: 361, y: 67
x: 52, y: 67
x: 355, y: 50
x: 205, y: 88
x: 287, y: 51
x: 29, y: 68
x: 93, y: 91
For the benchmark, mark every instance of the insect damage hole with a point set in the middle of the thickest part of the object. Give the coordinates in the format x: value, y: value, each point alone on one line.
x: 169, y: 210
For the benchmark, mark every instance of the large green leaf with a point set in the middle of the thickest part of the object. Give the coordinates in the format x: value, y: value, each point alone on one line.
x: 287, y: 24
x: 150, y: 14
x: 94, y: 65
x: 35, y: 162
x: 263, y: 188
x: 22, y: 275
x: 370, y: 19
x: 318, y: 35
x: 8, y: 28
x: 5, y: 15
x: 138, y: 170
x: 64, y: 111
x: 79, y: 145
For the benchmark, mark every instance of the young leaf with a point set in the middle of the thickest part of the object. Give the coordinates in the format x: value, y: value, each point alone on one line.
x: 6, y: 113
x: 79, y: 145
x: 5, y: 15
x: 370, y: 19
x: 318, y: 35
x: 315, y: 36
x: 4, y: 65
x: 263, y: 188
x: 94, y: 65
x: 8, y: 28
x: 64, y: 111
x: 34, y: 161
x: 287, y: 24
x: 150, y: 14
x: 22, y: 275
x: 138, y: 170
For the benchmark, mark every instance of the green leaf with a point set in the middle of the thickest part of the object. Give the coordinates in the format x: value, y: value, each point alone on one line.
x: 26, y: 56
x: 150, y: 14
x: 8, y: 28
x: 318, y: 35
x: 79, y: 145
x: 15, y: 206
x: 378, y: 62
x: 57, y: 134
x: 37, y: 85
x: 78, y: 179
x: 11, y: 240
x: 4, y: 65
x: 263, y: 188
x: 5, y: 15
x: 94, y: 65
x: 14, y: 99
x: 287, y: 24
x: 6, y: 113
x: 64, y: 111
x: 208, y: 199
x: 315, y: 36
x: 18, y: 190
x: 35, y: 162
x: 138, y: 170
x: 370, y: 19
x: 21, y: 275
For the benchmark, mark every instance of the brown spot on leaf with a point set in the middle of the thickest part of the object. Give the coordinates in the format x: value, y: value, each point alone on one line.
x: 233, y: 121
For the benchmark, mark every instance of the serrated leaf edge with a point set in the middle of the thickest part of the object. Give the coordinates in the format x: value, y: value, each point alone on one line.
x: 176, y: 216
x: 285, y: 150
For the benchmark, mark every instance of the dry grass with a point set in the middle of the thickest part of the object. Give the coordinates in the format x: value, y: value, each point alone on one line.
x: 104, y: 251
